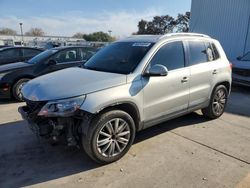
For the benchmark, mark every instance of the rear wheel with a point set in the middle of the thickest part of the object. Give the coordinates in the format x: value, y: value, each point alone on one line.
x: 16, y: 91
x: 109, y: 137
x: 217, y: 104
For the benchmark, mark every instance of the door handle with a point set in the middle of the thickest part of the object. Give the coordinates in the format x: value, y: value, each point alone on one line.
x: 215, y: 71
x: 184, y: 79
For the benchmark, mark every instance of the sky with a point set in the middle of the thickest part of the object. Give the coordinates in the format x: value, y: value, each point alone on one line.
x: 67, y: 17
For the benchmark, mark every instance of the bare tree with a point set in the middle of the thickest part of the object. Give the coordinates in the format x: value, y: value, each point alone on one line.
x: 38, y: 32
x: 7, y: 31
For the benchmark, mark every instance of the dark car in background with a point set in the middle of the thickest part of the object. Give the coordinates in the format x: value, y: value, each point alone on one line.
x: 16, y: 54
x: 241, y: 70
x: 13, y: 76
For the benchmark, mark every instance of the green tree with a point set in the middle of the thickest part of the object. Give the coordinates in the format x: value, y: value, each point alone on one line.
x: 142, y: 27
x: 7, y: 31
x: 164, y: 24
x: 182, y: 22
x: 38, y: 32
x: 98, y: 36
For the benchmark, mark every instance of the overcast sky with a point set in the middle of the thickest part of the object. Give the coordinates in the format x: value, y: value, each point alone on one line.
x: 66, y: 17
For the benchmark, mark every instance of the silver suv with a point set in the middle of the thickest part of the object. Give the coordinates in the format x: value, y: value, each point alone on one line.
x: 128, y: 86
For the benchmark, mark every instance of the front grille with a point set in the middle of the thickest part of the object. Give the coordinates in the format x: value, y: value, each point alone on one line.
x: 35, y: 105
x: 242, y: 72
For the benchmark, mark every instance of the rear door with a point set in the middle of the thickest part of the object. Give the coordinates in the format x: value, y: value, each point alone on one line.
x: 203, y: 69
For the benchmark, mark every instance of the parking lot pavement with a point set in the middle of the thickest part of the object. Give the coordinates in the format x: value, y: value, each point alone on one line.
x: 186, y: 152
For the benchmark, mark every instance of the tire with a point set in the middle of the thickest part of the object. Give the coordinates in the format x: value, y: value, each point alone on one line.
x: 217, y: 103
x: 99, y: 132
x: 16, y: 90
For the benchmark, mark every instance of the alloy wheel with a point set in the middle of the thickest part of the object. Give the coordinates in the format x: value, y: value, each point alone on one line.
x: 113, y: 137
x: 219, y: 102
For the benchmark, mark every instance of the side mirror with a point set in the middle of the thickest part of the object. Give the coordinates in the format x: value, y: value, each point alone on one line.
x: 52, y: 62
x: 157, y: 70
x: 239, y: 58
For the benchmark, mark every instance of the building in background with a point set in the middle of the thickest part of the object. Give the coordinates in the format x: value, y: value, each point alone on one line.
x: 225, y: 20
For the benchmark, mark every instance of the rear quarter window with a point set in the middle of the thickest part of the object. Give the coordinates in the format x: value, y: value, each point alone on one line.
x: 215, y: 51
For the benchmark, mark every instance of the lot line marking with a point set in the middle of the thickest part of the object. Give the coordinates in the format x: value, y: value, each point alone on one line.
x: 246, y: 162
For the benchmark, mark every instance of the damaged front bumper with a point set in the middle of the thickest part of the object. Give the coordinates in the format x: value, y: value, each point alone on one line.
x: 66, y: 130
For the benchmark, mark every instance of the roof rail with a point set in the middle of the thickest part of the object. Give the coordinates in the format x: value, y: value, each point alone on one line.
x: 184, y: 34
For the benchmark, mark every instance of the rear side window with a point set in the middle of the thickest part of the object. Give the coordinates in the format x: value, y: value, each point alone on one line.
x: 66, y: 56
x: 9, y: 54
x: 86, y: 53
x: 202, y: 52
x: 197, y: 52
x: 30, y: 52
x: 170, y: 55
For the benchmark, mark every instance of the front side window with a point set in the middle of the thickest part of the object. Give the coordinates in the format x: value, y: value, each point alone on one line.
x: 170, y: 55
x: 119, y: 57
x: 197, y: 52
x: 66, y: 56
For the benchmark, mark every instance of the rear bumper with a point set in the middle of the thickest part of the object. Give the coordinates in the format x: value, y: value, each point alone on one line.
x: 241, y: 80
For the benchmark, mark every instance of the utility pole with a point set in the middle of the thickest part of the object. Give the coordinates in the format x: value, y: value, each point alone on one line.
x: 21, y: 28
x: 109, y: 32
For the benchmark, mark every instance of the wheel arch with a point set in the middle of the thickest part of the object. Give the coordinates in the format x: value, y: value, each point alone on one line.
x: 128, y: 107
x: 227, y: 84
x: 14, y: 81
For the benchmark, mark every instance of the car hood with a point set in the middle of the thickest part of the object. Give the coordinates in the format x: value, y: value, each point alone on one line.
x: 70, y: 82
x: 241, y: 64
x: 13, y: 66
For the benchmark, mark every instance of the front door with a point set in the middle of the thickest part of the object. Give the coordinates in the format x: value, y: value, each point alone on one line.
x: 167, y: 95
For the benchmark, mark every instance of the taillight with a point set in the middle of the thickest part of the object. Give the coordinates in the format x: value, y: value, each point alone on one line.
x: 231, y: 65
x: 5, y: 87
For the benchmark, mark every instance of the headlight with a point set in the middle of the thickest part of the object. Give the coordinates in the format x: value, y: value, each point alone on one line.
x: 63, y: 108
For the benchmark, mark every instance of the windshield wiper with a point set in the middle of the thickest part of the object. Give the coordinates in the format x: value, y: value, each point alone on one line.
x: 91, y: 68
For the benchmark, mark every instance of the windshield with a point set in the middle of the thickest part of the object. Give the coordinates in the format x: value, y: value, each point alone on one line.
x: 42, y: 56
x: 119, y: 57
x: 246, y: 57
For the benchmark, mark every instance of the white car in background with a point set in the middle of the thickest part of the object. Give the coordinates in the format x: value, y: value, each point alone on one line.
x: 241, y: 70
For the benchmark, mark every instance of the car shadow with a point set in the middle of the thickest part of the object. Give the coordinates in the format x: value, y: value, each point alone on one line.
x: 239, y: 101
x: 187, y: 120
x: 26, y: 160
x: 8, y: 101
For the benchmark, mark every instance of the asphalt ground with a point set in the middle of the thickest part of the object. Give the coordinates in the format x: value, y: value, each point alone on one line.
x: 189, y: 151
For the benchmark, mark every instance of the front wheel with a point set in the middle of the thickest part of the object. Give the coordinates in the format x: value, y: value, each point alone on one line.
x: 17, y: 87
x: 109, y: 137
x: 217, y: 104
